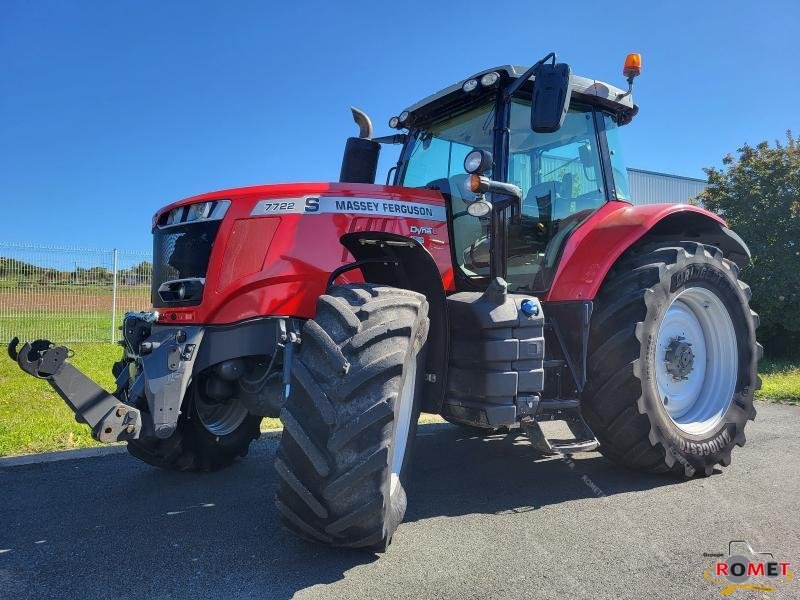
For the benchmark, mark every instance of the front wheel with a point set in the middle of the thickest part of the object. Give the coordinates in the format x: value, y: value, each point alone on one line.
x: 351, y: 417
x: 672, y: 360
x: 211, y: 435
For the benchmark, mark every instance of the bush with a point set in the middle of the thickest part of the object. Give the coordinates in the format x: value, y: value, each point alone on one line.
x: 758, y: 193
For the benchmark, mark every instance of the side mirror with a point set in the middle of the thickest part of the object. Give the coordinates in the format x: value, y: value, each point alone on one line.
x: 550, y: 97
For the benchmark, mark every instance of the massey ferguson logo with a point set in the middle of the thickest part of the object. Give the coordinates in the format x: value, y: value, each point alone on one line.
x: 326, y: 205
x: 754, y: 571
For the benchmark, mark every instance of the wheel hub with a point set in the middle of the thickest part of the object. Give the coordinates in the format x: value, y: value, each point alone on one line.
x: 679, y: 358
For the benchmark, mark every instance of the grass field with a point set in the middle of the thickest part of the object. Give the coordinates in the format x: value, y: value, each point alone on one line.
x: 66, y: 313
x: 34, y: 419
x: 780, y: 381
x: 32, y: 416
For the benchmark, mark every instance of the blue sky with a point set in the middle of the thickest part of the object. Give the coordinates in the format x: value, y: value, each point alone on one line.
x: 109, y: 110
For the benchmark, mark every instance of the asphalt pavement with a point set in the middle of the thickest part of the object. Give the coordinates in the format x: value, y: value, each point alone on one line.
x: 487, y: 518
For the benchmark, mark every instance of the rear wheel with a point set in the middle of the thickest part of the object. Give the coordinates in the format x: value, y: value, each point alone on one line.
x: 351, y: 417
x: 210, y: 435
x: 672, y: 360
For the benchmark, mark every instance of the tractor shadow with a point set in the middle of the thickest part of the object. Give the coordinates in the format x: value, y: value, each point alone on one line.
x: 114, y: 527
x: 460, y: 473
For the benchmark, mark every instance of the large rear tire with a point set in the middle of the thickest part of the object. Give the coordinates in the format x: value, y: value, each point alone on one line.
x: 672, y: 360
x: 351, y: 417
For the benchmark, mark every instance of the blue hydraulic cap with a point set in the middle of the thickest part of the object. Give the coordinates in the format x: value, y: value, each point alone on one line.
x: 529, y: 307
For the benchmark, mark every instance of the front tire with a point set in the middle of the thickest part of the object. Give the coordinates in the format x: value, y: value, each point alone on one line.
x: 351, y: 417
x: 210, y: 436
x: 672, y: 360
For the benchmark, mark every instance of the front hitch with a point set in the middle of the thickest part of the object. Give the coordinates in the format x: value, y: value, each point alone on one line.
x: 110, y: 419
x: 39, y: 359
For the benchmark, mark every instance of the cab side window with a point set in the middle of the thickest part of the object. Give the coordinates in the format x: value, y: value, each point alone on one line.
x: 621, y: 184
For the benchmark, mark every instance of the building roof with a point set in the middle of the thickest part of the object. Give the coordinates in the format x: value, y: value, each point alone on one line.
x: 671, y: 175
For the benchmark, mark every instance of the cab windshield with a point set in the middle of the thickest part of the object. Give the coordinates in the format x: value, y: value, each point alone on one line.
x: 559, y: 173
x: 436, y: 161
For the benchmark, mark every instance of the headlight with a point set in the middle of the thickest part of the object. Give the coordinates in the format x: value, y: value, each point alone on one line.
x: 212, y: 210
x: 480, y: 208
x: 490, y: 79
x: 394, y: 122
x: 198, y: 211
x: 182, y: 290
x: 403, y: 116
x: 478, y: 161
x: 470, y: 85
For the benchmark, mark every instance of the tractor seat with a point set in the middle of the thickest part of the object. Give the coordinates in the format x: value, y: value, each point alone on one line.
x: 541, y: 196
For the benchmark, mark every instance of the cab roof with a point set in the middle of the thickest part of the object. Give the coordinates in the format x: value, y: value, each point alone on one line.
x: 592, y: 90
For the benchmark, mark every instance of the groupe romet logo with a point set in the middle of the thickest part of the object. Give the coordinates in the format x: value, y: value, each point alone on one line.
x: 754, y: 571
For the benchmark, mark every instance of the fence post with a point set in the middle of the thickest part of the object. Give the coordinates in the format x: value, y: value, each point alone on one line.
x: 114, y: 299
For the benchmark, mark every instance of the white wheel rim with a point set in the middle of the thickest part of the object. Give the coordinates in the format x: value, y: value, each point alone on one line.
x: 696, y: 360
x: 403, y: 423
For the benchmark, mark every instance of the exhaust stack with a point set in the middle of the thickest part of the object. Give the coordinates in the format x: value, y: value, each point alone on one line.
x: 360, y: 160
x: 363, y: 122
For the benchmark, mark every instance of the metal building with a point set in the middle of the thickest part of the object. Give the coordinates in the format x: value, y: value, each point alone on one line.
x: 649, y: 187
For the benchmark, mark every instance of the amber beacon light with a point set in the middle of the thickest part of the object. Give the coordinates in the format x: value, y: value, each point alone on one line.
x: 633, y: 66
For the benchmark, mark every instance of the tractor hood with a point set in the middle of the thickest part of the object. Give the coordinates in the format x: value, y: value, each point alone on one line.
x: 242, y: 253
x: 305, y: 191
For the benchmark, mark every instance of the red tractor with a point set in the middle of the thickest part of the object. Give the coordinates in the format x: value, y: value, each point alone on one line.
x: 503, y: 279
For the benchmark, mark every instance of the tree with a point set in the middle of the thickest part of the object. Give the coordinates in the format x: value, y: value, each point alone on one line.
x: 758, y: 194
x: 140, y: 274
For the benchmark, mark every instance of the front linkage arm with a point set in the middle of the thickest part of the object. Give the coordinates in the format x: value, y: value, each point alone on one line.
x: 110, y: 419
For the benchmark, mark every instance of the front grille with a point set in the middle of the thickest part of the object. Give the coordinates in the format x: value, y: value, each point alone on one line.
x: 181, y: 252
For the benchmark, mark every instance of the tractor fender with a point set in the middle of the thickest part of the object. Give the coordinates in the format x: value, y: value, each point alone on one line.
x: 598, y: 243
x: 409, y: 265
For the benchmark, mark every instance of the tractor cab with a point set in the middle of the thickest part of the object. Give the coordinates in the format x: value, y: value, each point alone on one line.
x: 563, y: 175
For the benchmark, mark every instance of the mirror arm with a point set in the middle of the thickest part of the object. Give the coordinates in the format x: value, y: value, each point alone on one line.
x: 512, y: 193
x: 520, y: 81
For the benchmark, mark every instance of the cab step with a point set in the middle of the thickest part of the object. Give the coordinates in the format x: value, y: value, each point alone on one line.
x: 583, y: 438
